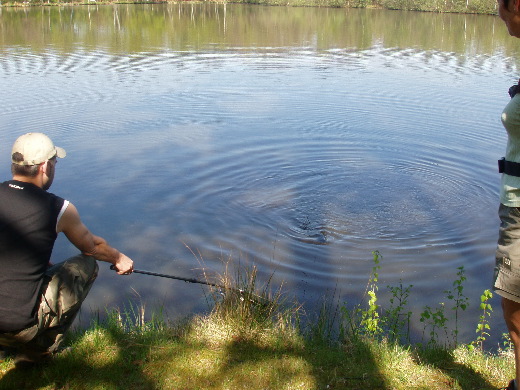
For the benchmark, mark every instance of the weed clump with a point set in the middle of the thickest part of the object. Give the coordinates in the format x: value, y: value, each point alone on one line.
x: 244, y: 311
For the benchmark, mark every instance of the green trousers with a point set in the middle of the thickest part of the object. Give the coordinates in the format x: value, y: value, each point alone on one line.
x: 64, y: 289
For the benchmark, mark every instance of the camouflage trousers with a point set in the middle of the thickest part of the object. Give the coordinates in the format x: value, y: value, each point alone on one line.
x: 64, y: 289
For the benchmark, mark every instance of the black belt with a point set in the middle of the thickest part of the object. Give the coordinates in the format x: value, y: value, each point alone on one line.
x: 510, y: 168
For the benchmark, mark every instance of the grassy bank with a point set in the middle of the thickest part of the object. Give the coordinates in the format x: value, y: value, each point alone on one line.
x: 447, y: 6
x: 208, y: 354
x: 255, y: 339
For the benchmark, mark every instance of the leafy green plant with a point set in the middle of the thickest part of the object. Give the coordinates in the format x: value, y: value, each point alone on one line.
x: 483, y: 324
x: 506, y: 348
x: 459, y: 299
x: 397, y: 321
x: 358, y: 321
x: 370, y: 320
x: 435, y: 320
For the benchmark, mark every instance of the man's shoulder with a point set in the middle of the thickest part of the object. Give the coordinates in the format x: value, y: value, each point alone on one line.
x: 20, y: 189
x: 19, y: 185
x: 12, y: 186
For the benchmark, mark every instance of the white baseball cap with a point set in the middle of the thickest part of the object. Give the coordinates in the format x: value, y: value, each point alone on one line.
x: 34, y: 149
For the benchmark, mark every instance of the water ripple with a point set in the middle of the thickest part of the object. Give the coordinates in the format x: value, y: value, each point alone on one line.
x: 302, y: 159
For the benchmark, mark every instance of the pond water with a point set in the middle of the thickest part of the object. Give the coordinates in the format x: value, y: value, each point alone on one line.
x: 298, y: 140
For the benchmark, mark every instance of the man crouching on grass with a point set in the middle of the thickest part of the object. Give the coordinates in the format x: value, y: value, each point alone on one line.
x: 38, y: 302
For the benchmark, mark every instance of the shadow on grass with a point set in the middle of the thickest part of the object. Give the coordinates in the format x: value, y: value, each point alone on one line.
x: 444, y: 361
x: 104, y: 364
x: 331, y: 369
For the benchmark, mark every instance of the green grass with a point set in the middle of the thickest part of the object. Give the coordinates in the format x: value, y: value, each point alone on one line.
x: 204, y: 354
x: 256, y: 340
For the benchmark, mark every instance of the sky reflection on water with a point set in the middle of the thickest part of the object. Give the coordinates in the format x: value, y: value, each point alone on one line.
x: 301, y: 154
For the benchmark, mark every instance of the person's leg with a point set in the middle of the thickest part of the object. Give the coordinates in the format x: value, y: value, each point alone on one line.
x: 511, y: 311
x: 507, y: 275
x: 67, y: 285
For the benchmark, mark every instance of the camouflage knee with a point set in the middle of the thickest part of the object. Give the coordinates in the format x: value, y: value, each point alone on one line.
x: 66, y: 287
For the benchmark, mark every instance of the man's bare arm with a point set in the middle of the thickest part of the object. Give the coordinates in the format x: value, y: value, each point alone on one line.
x: 79, y: 235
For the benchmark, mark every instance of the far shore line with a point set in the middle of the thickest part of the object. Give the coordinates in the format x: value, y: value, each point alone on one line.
x: 482, y: 8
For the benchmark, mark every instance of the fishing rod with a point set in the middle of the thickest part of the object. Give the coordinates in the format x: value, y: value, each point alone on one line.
x: 187, y: 280
x: 198, y: 281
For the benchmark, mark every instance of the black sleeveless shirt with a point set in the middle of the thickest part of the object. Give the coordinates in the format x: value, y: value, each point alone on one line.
x: 28, y: 219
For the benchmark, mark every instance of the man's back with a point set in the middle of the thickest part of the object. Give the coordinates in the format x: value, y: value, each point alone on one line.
x: 28, y: 217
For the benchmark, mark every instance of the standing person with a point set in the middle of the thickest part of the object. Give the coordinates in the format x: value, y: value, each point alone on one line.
x: 39, y: 301
x: 507, y: 269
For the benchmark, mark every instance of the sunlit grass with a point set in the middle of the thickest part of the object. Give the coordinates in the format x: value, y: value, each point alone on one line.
x: 104, y: 358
